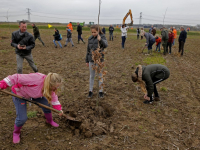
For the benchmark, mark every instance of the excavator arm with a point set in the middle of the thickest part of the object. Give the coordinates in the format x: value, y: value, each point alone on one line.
x: 129, y: 13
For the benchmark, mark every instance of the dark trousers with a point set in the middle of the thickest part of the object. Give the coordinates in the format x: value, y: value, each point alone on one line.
x: 79, y: 37
x: 158, y: 47
x: 151, y: 42
x: 157, y: 79
x: 39, y: 38
x: 170, y: 47
x: 123, y: 41
x: 181, y: 47
x: 138, y: 37
x: 111, y: 35
x: 141, y: 37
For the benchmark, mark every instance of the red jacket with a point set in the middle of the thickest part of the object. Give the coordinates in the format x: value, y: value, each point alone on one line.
x: 158, y: 40
x: 171, y: 38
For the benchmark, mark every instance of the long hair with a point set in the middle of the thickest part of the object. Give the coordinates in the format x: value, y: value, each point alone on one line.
x: 50, y: 81
x: 138, y: 78
x: 96, y: 27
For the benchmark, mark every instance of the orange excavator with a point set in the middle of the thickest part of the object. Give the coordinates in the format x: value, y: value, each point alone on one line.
x: 129, y: 13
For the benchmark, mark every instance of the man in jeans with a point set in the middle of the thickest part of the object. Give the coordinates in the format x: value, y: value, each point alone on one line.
x: 181, y: 40
x: 111, y: 29
x: 37, y: 33
x: 23, y: 43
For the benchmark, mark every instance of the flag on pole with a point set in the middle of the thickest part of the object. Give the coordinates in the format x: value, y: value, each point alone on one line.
x: 49, y: 26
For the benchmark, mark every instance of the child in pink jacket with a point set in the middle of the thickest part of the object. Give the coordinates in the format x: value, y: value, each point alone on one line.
x: 37, y: 87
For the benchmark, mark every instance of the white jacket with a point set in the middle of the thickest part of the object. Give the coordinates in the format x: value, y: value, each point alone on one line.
x: 142, y: 32
x: 124, y: 31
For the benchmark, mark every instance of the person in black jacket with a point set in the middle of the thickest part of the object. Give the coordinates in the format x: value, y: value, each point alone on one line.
x: 23, y: 43
x: 104, y: 30
x: 111, y: 29
x: 93, y: 41
x: 79, y: 30
x: 138, y: 33
x: 69, y: 37
x: 148, y: 77
x: 37, y: 33
x: 181, y: 40
x: 57, y: 38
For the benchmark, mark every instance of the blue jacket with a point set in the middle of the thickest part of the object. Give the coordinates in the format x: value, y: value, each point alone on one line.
x: 182, y: 36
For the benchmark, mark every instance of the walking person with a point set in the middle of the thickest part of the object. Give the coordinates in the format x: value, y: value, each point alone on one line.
x: 175, y: 35
x: 57, y: 38
x: 165, y: 37
x: 37, y: 33
x: 23, y: 42
x: 158, y: 42
x: 37, y: 87
x: 170, y: 41
x: 79, y: 30
x: 148, y: 77
x: 150, y: 40
x: 69, y: 37
x: 111, y: 29
x: 93, y: 41
x: 104, y: 30
x: 138, y: 33
x: 181, y: 40
x: 124, y: 30
x: 142, y: 33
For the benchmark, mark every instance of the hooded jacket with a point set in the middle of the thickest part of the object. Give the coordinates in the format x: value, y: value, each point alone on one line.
x: 57, y: 35
x: 22, y: 39
x: 93, y: 45
x: 29, y: 86
x: 158, y: 40
x: 149, y: 72
x: 171, y: 38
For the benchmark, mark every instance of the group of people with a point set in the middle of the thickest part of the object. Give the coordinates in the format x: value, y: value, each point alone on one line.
x: 42, y: 88
x: 167, y: 39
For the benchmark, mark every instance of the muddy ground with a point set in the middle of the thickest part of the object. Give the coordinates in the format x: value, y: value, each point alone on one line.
x: 121, y: 121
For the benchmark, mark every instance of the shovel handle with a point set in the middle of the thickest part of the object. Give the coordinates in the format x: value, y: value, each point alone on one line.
x: 39, y: 104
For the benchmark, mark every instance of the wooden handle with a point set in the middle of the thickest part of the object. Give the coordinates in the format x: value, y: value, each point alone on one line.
x: 39, y: 104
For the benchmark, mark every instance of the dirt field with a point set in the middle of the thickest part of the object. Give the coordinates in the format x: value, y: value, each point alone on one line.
x: 124, y: 122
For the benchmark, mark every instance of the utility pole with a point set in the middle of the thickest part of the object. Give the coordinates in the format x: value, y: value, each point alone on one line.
x: 140, y: 18
x: 29, y: 19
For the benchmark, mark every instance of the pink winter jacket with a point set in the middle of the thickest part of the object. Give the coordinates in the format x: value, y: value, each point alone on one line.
x: 29, y: 86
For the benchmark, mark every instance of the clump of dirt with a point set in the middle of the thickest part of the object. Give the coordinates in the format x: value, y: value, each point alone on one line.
x: 93, y: 117
x: 3, y: 37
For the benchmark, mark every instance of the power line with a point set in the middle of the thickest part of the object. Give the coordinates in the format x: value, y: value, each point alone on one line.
x: 29, y: 18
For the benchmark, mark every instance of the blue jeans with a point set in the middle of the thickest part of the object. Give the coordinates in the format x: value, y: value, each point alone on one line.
x: 158, y: 46
x: 123, y: 41
x: 58, y: 43
x: 21, y: 109
x: 79, y: 37
x: 151, y: 42
x: 173, y: 42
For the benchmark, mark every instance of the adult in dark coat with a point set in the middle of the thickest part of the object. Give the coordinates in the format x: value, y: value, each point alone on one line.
x: 104, y: 30
x: 79, y: 30
x: 148, y: 77
x: 37, y: 33
x: 181, y: 40
x: 23, y: 42
x: 111, y: 29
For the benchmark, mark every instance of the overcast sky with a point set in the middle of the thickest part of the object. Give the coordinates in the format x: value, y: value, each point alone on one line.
x: 112, y: 11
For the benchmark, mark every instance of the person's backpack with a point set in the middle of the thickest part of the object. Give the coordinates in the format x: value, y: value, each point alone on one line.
x: 60, y: 36
x: 166, y: 35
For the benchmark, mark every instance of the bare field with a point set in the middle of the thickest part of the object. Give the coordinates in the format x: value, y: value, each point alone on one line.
x: 125, y: 122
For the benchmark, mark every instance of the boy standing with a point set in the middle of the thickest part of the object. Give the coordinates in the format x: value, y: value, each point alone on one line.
x: 69, y: 37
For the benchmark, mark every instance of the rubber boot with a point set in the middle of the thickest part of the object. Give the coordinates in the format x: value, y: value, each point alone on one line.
x: 49, y: 120
x: 16, y: 134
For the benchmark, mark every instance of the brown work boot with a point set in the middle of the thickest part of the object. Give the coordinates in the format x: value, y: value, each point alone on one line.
x: 157, y: 99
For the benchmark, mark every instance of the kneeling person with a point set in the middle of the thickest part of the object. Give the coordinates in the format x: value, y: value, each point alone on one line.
x: 148, y: 77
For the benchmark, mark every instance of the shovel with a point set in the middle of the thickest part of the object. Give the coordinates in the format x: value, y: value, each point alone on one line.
x: 143, y: 48
x: 41, y: 105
